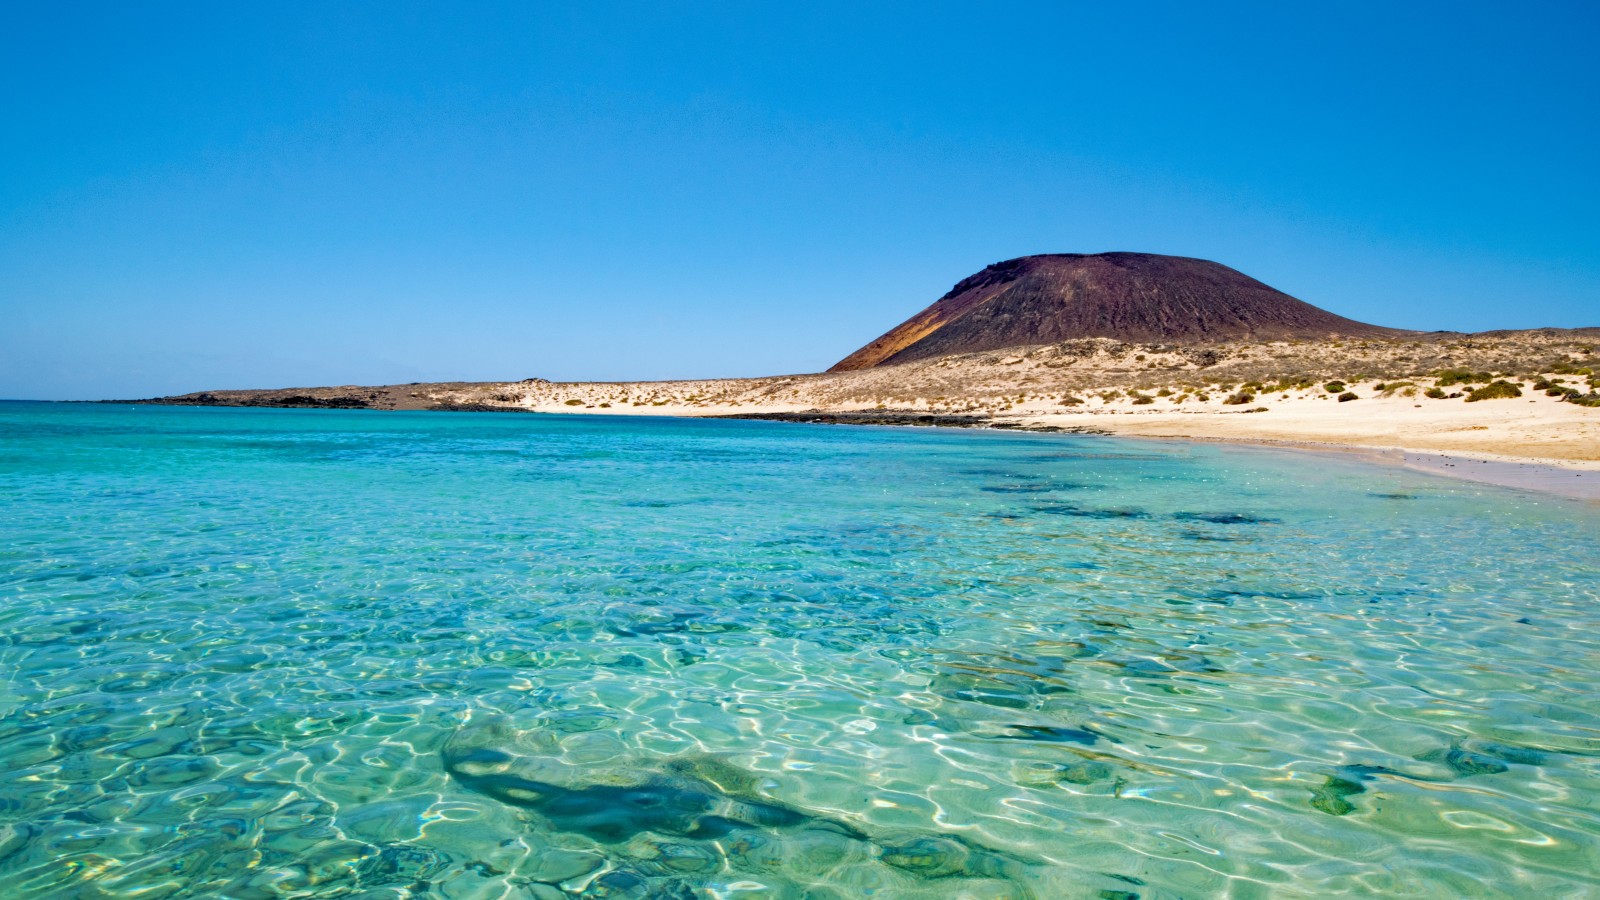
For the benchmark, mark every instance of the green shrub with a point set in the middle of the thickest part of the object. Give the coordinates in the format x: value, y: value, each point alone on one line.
x: 1070, y: 400
x: 1448, y: 377
x: 1334, y: 387
x: 1434, y: 393
x: 1239, y: 399
x: 574, y: 402
x: 1347, y: 396
x: 1496, y: 390
x: 1591, y: 399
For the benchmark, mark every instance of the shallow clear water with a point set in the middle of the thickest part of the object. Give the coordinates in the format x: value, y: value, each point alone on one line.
x: 261, y: 653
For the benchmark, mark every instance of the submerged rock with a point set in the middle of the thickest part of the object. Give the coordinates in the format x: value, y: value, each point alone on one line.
x: 1055, y: 734
x: 1463, y: 763
x: 1067, y: 509
x: 1223, y: 518
x: 1330, y: 797
x: 714, y: 809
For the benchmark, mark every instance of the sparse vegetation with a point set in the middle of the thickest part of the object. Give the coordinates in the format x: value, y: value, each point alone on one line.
x: 1449, y: 377
x: 1239, y: 399
x: 1495, y: 390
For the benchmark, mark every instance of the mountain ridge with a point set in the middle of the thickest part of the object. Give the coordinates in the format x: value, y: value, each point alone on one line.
x: 1140, y: 297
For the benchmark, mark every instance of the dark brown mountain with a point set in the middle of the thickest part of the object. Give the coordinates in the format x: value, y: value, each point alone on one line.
x: 1138, y: 297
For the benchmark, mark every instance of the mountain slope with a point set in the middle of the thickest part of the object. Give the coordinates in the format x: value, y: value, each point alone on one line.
x: 1142, y: 297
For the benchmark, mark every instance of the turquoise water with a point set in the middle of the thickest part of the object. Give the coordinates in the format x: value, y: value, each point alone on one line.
x: 264, y: 653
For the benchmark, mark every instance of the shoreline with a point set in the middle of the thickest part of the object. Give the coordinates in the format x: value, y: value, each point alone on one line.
x: 1560, y: 477
x: 1542, y: 476
x: 1573, y: 479
x: 1418, y: 396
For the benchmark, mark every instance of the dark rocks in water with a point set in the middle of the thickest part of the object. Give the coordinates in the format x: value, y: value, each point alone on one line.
x: 1054, y: 734
x: 1083, y: 772
x: 1140, y: 297
x: 624, y: 884
x: 1463, y: 763
x: 683, y: 806
x: 1067, y: 509
x: 1330, y: 797
x: 1008, y: 682
x: 1394, y: 496
x: 869, y: 417
x: 1226, y: 595
x: 1511, y: 753
x: 989, y: 696
x: 928, y: 857
x: 1170, y: 663
x: 663, y: 504
x: 1223, y: 518
x: 699, y: 799
x: 944, y: 856
x: 1192, y: 535
x: 1086, y: 772
x: 1036, y: 487
x: 402, y: 864
x: 1018, y: 488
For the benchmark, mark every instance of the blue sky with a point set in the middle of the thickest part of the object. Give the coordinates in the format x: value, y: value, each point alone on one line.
x: 221, y: 195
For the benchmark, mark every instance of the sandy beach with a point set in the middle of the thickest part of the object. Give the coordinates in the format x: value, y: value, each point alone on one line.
x: 1533, y: 442
x: 1517, y: 405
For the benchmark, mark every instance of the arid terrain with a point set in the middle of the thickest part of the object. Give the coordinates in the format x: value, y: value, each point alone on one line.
x: 1529, y: 395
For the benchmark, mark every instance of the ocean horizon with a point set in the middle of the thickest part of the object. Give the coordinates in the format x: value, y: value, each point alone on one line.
x: 329, y: 653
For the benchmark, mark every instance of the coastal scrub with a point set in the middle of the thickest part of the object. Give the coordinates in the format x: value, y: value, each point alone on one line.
x: 1495, y: 390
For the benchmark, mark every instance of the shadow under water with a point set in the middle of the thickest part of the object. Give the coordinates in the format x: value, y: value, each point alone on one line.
x: 703, y: 808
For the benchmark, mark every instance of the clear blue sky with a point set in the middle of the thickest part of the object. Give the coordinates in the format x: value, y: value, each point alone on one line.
x: 278, y: 194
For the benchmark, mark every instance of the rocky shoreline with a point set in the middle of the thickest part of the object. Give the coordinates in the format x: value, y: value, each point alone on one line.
x: 904, y: 417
